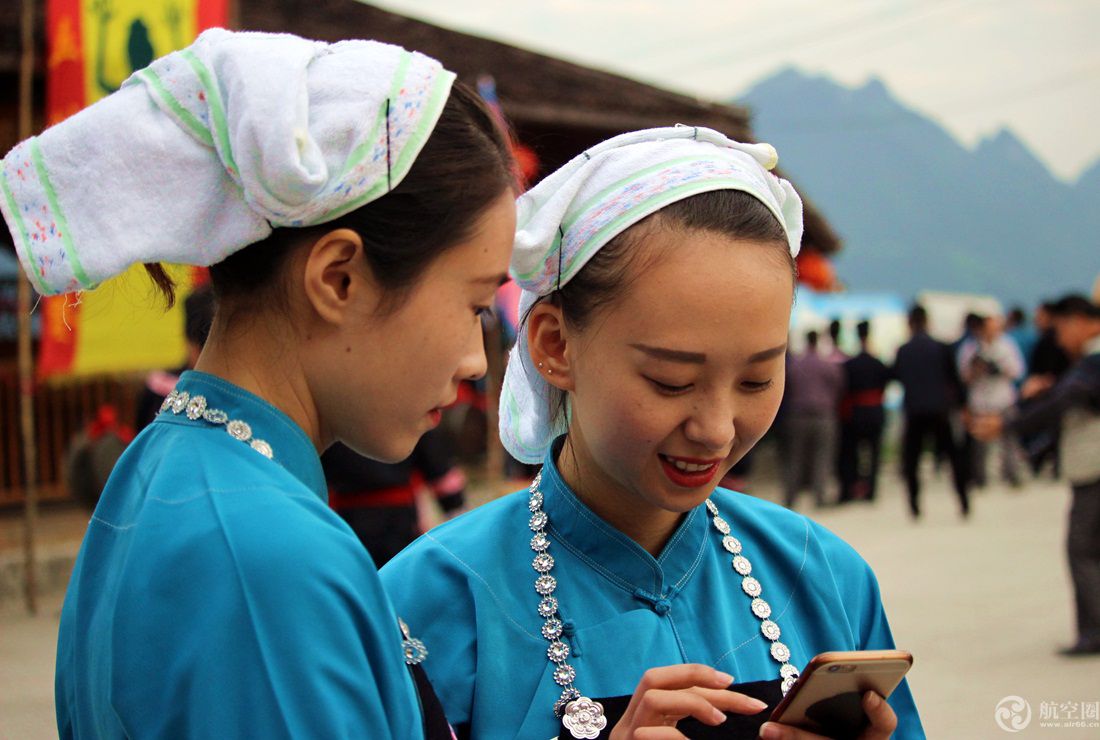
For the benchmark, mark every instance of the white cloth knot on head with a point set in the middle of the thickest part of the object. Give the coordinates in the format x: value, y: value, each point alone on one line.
x: 571, y: 214
x: 203, y: 151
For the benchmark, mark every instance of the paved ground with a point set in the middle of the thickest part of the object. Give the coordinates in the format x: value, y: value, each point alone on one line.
x: 982, y: 604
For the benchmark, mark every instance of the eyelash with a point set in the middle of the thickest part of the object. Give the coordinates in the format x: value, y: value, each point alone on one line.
x: 676, y: 390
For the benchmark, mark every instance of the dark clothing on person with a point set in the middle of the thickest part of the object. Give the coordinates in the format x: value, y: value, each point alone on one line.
x: 378, y: 500
x: 1046, y: 358
x: 1074, y: 405
x: 927, y: 370
x: 862, y: 421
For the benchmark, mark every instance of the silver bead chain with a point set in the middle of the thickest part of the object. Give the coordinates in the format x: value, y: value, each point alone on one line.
x: 584, y: 717
x: 195, y: 408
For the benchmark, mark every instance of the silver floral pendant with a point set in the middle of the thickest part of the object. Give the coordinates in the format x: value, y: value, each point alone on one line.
x: 584, y: 718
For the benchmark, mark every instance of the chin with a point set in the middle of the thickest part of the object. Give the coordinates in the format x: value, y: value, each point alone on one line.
x: 389, y: 450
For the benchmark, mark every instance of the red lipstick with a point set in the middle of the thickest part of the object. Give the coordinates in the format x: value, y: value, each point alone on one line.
x: 689, y: 478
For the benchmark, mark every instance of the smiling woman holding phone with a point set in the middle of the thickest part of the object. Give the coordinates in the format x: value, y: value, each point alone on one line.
x: 658, y: 277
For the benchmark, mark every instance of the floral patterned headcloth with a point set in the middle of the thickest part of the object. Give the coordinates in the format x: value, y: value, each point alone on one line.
x: 565, y: 219
x: 204, y: 151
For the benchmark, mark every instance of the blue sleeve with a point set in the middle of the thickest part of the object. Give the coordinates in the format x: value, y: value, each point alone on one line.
x: 277, y: 627
x: 430, y: 591
x: 858, y: 587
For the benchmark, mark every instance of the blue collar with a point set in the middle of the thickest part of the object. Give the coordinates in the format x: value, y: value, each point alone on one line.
x: 612, y: 554
x: 291, y: 448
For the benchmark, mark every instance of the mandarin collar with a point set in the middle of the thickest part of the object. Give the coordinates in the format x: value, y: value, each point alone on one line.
x: 613, y: 554
x: 290, y: 446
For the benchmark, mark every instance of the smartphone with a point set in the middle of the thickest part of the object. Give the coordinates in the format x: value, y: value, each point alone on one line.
x: 827, y: 697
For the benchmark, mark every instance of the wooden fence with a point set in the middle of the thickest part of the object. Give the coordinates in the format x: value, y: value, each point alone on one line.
x: 62, y: 410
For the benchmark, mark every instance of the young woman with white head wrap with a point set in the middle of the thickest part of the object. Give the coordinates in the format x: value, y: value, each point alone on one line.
x: 658, y: 275
x: 355, y: 205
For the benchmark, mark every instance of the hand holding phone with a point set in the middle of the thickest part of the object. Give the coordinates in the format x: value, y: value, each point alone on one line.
x: 827, y: 698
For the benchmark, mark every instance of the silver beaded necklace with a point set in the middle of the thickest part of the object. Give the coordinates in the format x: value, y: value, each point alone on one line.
x: 583, y: 717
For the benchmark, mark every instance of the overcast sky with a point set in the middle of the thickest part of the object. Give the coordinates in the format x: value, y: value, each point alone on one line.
x: 974, y: 65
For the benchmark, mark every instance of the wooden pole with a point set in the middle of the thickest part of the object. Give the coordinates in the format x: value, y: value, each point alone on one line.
x: 26, y: 359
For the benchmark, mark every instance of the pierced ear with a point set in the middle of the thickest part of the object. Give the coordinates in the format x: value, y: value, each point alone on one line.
x: 548, y: 342
x: 335, y: 274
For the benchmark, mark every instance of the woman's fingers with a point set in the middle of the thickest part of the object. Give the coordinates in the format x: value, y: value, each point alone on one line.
x: 731, y: 701
x: 878, y: 711
x: 683, y: 676
x: 668, y: 694
x: 666, y: 706
x: 881, y: 714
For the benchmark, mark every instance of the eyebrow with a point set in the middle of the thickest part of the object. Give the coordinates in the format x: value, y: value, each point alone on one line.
x: 698, y: 358
x: 497, y: 280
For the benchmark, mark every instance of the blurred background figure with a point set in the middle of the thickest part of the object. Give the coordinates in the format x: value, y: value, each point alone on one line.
x: 990, y: 365
x: 812, y: 396
x: 836, y: 354
x: 1022, y: 332
x: 381, y: 501
x: 198, y: 312
x: 1047, y: 363
x: 862, y: 420
x: 1074, y: 405
x: 926, y: 369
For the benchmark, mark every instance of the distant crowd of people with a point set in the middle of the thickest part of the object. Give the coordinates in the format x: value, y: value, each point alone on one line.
x: 832, y: 421
x: 1032, y: 392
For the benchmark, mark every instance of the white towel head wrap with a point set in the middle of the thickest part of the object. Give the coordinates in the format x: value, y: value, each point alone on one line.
x: 204, y: 151
x: 565, y: 219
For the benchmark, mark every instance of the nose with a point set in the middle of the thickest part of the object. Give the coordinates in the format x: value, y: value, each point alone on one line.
x: 473, y: 364
x: 711, y: 425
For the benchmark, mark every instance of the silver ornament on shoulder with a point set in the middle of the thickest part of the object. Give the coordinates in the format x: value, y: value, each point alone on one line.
x: 712, y: 508
x: 780, y: 652
x: 788, y: 671
x: 761, y: 608
x: 179, y: 403
x: 263, y: 448
x: 534, y: 503
x: 732, y: 545
x: 721, y: 524
x: 538, y: 521
x: 751, y: 586
x: 195, y: 407
x: 540, y: 542
x: 215, y: 416
x: 167, y: 402
x: 567, y: 695
x: 239, y: 430
x: 788, y: 684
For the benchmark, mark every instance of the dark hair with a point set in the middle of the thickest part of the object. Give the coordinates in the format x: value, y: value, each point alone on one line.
x: 918, y: 317
x: 198, y: 314
x: 1075, y: 304
x: 834, y: 329
x: 863, y: 330
x: 811, y: 339
x: 465, y: 164
x: 732, y: 213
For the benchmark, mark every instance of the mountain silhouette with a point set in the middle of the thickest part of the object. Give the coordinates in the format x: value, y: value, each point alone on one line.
x: 918, y: 210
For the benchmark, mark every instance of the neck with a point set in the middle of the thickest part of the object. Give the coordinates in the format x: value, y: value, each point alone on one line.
x: 256, y: 359
x: 648, y: 525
